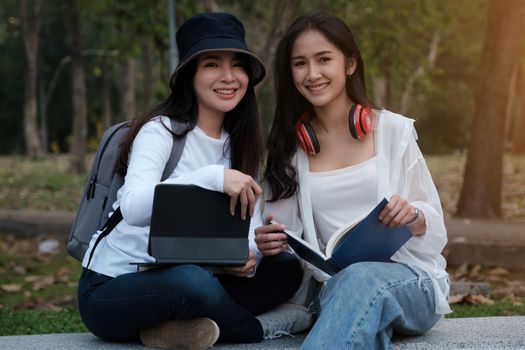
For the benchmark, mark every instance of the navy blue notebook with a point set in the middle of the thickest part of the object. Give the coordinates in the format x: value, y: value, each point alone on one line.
x: 365, y: 239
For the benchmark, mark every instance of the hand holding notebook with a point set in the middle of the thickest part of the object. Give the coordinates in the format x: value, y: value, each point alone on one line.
x: 364, y: 239
x: 193, y: 225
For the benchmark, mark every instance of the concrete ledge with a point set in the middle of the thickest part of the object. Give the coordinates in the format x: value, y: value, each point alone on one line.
x: 28, y: 223
x: 462, y: 333
x: 485, y: 242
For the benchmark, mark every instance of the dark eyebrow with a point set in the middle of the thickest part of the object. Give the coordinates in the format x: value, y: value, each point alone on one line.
x: 320, y: 53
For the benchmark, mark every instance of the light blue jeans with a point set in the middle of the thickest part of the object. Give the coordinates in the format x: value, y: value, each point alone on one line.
x: 363, y: 305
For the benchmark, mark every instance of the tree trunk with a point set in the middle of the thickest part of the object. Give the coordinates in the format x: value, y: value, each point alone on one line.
x: 406, y: 98
x: 482, y: 182
x: 518, y: 135
x: 30, y: 12
x: 379, y: 85
x: 148, y: 83
x: 128, y: 89
x: 210, y: 5
x: 44, y: 135
x: 283, y: 14
x: 78, y: 139
x: 107, y: 115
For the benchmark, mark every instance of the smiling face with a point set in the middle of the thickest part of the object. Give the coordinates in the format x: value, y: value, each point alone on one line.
x: 220, y: 82
x: 319, y: 69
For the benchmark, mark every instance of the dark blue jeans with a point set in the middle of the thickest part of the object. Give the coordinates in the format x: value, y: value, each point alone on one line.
x: 116, y: 309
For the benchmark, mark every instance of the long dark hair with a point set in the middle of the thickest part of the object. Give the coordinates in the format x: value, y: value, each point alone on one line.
x: 290, y: 104
x: 242, y: 123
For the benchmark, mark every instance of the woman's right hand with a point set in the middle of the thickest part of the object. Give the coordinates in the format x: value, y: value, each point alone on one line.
x: 241, y: 186
x: 270, y: 238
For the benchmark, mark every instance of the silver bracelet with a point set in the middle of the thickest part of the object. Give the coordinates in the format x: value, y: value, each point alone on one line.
x: 416, y: 218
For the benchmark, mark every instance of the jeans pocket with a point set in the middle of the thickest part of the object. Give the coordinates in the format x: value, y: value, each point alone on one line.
x: 90, y: 281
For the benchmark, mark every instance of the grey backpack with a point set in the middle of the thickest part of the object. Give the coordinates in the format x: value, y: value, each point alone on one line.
x: 102, y: 184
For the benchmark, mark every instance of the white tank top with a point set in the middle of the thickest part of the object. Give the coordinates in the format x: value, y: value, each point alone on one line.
x: 339, y: 196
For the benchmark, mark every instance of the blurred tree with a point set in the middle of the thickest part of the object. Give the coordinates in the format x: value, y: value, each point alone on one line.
x: 128, y: 88
x: 444, y: 98
x: 419, y: 57
x: 265, y: 23
x: 78, y: 140
x: 517, y: 131
x: 12, y: 85
x: 107, y: 114
x: 148, y: 53
x: 30, y: 12
x: 210, y: 5
x: 400, y: 43
x: 283, y: 15
x: 395, y: 39
x: 482, y: 182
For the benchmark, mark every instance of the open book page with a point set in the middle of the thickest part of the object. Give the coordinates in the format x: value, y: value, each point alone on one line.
x: 300, y: 243
x: 295, y: 240
x: 369, y: 240
x: 340, y: 234
x: 366, y: 239
x: 308, y: 253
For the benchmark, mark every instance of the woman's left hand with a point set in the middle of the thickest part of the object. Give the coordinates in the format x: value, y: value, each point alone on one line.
x: 398, y: 212
x: 242, y: 271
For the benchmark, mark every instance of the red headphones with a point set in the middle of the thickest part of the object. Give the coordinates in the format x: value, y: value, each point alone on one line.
x: 360, y: 123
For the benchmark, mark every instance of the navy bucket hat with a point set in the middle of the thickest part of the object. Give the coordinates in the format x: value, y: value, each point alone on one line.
x: 215, y: 31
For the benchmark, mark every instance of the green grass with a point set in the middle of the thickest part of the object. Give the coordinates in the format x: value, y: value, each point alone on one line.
x: 40, y: 322
x: 51, y: 309
x: 62, y: 268
x: 44, y: 184
x: 500, y: 308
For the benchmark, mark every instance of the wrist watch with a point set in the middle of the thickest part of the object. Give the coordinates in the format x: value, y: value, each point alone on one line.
x: 416, y: 218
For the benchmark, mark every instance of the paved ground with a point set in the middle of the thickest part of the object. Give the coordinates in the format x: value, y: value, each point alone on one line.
x: 465, y: 333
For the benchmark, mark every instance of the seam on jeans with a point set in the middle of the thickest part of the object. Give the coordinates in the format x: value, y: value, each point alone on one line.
x: 374, y: 301
x: 418, y: 272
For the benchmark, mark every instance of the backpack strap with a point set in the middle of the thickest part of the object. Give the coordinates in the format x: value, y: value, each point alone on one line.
x: 106, y: 229
x: 176, y: 149
x: 173, y: 160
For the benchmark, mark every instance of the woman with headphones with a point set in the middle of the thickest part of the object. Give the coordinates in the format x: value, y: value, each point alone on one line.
x: 332, y: 156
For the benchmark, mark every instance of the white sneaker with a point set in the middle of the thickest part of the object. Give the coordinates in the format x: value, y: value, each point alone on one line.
x: 285, y: 320
x: 195, y: 334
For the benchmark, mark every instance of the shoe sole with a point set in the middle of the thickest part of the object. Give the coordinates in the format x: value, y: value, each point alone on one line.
x: 192, y: 334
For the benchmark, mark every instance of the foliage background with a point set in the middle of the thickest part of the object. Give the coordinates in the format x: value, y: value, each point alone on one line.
x: 394, y: 37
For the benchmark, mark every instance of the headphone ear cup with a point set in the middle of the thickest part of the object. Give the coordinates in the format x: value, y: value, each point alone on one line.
x: 306, y: 138
x: 351, y: 122
x: 366, y: 120
x: 357, y: 122
x: 360, y: 121
x: 300, y: 137
x: 314, y: 143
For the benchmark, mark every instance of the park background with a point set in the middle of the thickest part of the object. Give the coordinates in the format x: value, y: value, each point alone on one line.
x: 71, y: 68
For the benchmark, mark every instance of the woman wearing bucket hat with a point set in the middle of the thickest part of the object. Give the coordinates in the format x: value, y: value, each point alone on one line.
x: 187, y: 306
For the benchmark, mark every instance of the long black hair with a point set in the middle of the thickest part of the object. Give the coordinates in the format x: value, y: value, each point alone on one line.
x: 242, y: 123
x: 290, y: 104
